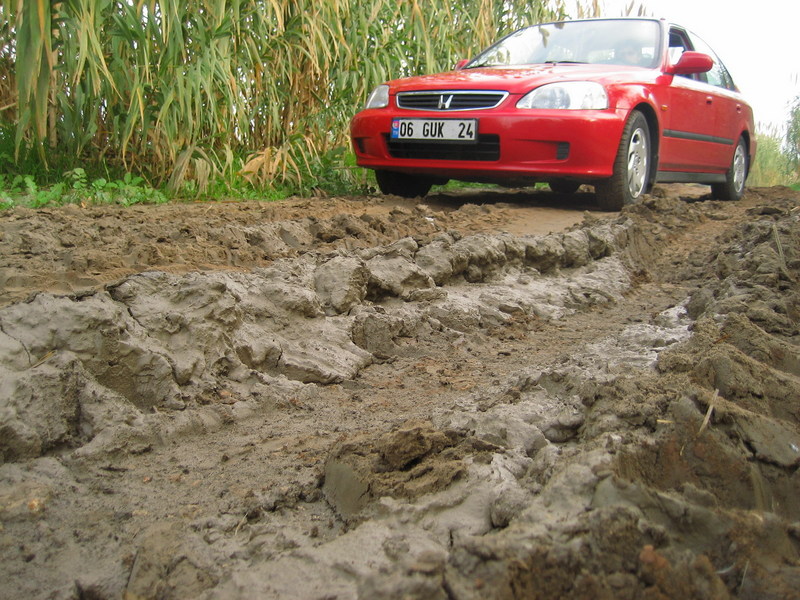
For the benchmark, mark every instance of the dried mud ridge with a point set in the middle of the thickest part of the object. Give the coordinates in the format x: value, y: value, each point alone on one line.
x: 401, y: 404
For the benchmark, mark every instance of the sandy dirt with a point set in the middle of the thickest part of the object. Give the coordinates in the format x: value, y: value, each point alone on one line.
x: 492, y: 394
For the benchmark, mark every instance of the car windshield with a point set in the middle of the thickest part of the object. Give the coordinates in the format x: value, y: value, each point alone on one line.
x: 633, y: 42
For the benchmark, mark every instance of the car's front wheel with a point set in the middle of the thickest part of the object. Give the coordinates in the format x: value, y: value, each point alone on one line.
x: 401, y: 184
x: 733, y: 188
x: 631, y: 167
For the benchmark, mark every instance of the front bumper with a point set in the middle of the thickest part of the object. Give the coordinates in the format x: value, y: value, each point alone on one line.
x: 518, y: 144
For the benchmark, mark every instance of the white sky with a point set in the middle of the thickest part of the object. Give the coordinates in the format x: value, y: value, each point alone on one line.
x: 759, y: 43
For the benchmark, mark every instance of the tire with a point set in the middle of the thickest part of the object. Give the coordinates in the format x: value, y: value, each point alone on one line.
x: 562, y: 186
x: 631, y: 173
x: 733, y: 188
x: 400, y: 184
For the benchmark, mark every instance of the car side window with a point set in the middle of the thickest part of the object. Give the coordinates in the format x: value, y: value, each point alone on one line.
x: 678, y: 44
x: 718, y: 75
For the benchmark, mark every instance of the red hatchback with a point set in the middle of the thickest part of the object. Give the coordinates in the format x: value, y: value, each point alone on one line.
x: 619, y: 104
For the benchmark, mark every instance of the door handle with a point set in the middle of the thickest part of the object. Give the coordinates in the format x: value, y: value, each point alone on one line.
x: 709, y: 100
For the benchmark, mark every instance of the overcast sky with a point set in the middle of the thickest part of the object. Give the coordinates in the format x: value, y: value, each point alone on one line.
x: 759, y: 43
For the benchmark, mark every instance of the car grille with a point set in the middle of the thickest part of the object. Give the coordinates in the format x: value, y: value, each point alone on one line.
x: 455, y: 100
x: 487, y: 148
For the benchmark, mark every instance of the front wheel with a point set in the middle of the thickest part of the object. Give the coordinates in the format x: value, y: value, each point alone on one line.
x: 631, y: 167
x: 401, y: 184
x: 733, y: 188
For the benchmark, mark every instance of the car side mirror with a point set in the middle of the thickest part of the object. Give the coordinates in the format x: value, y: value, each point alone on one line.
x: 461, y: 64
x: 691, y: 62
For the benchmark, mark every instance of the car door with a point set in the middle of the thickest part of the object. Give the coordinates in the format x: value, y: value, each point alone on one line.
x: 728, y: 105
x: 689, y: 118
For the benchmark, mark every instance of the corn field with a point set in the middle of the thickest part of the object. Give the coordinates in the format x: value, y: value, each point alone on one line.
x: 193, y: 89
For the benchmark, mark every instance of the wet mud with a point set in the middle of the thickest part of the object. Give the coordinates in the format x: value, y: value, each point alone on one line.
x: 486, y: 395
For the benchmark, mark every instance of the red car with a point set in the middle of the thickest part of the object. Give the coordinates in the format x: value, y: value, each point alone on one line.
x: 619, y: 104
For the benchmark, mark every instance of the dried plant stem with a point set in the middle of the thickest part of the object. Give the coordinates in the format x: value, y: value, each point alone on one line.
x: 707, y: 419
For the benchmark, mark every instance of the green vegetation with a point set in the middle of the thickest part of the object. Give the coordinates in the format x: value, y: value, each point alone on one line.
x: 76, y: 189
x: 772, y: 165
x: 778, y: 154
x: 793, y: 138
x: 245, y: 98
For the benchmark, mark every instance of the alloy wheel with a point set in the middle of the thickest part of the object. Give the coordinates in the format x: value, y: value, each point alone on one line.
x: 637, y: 163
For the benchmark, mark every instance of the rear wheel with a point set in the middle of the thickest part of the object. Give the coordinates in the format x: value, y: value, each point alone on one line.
x: 733, y: 188
x: 562, y: 186
x: 631, y: 167
x: 401, y: 184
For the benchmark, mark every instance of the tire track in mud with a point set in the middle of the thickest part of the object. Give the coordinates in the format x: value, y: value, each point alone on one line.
x: 442, y: 416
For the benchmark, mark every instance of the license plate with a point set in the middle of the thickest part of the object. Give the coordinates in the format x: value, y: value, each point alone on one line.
x: 459, y: 130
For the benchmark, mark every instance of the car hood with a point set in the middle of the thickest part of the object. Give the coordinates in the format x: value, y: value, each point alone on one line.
x: 520, y: 80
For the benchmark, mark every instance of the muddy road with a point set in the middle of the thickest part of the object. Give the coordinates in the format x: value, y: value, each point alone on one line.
x: 486, y: 395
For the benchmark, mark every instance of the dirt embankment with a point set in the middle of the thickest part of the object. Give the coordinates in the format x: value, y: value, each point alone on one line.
x: 494, y: 395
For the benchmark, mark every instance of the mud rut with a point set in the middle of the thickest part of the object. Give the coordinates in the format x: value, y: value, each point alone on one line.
x: 366, y: 398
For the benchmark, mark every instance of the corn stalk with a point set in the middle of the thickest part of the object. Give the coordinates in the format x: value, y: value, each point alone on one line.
x: 162, y: 87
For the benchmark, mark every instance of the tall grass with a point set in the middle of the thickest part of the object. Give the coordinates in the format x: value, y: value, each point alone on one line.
x: 773, y: 164
x: 180, y: 90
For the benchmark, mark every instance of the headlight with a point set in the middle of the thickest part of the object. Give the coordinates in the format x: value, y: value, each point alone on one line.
x: 379, y: 98
x: 573, y: 95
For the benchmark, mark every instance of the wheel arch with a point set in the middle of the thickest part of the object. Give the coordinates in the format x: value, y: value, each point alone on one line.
x: 655, y: 139
x: 750, y: 154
